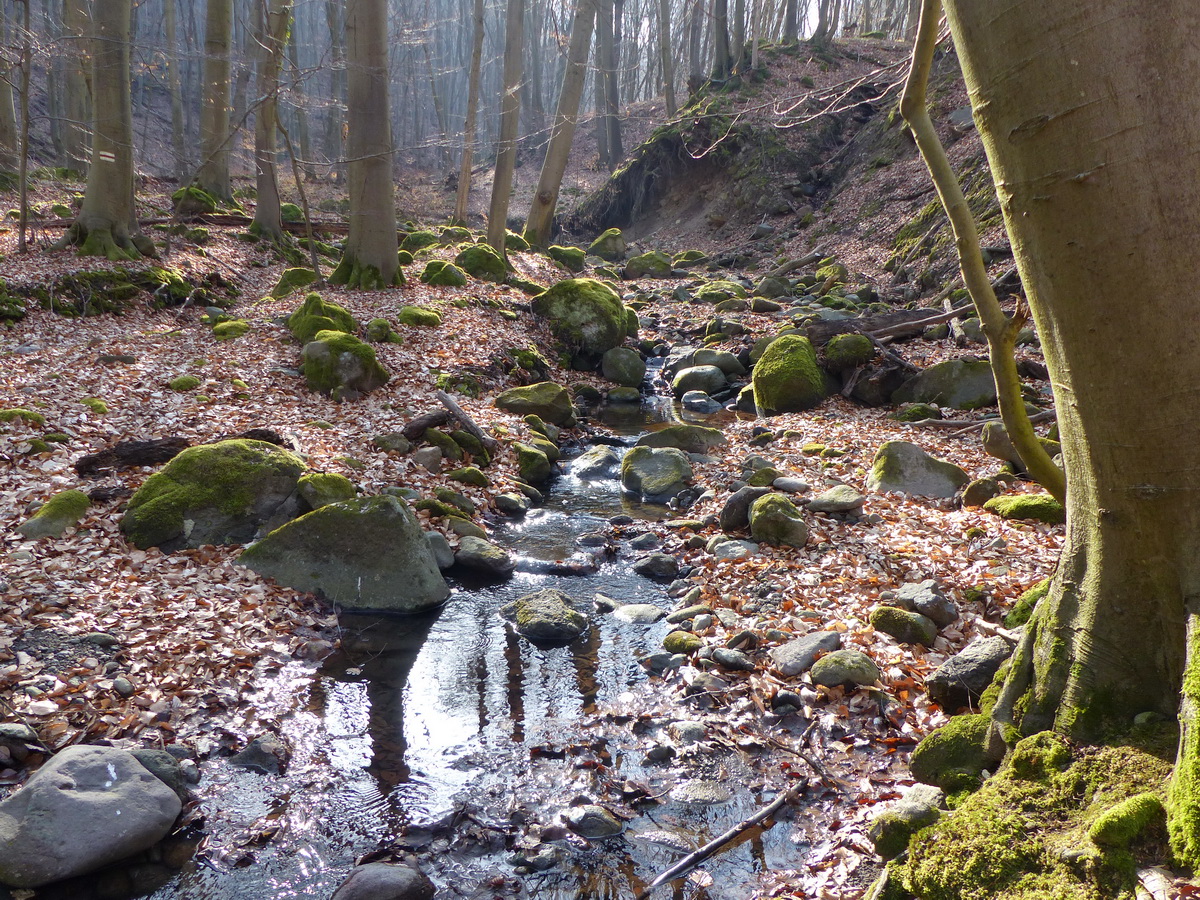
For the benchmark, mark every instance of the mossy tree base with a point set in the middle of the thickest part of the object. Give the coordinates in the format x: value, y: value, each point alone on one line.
x: 362, y: 276
x: 101, y: 241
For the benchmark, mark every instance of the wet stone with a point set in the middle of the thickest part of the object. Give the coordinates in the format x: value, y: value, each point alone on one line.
x: 797, y: 656
x: 265, y: 754
x: 605, y: 604
x: 687, y: 612
x: 706, y: 793
x: 688, y: 732
x: 639, y: 614
x: 647, y: 541
x: 658, y: 663
x: 657, y: 565
x: 791, y: 485
x: 591, y: 821
x: 592, y: 539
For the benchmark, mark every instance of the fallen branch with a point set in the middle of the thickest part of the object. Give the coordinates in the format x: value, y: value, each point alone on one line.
x: 468, y: 424
x: 921, y: 324
x: 798, y: 263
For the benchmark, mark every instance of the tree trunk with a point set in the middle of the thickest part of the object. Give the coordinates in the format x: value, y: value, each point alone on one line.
x: 370, y: 258
x: 722, y: 60
x: 76, y: 109
x: 604, y: 40
x: 612, y: 90
x: 510, y: 114
x: 298, y: 105
x: 664, y: 49
x: 470, y: 126
x: 545, y: 199
x: 1085, y: 159
x: 695, y: 52
x: 335, y: 120
x: 178, y: 147
x: 106, y: 225
x: 791, y: 22
x: 273, y: 22
x: 213, y: 175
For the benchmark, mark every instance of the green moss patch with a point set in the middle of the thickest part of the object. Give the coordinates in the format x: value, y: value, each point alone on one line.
x: 848, y: 351
x: 786, y: 377
x: 292, y: 280
x: 419, y: 316
x: 1023, y: 609
x: 19, y: 414
x: 96, y: 405
x: 483, y: 262
x: 230, y: 329
x: 315, y: 315
x: 438, y: 272
x: 1035, y: 507
x: 184, y: 383
x: 570, y: 258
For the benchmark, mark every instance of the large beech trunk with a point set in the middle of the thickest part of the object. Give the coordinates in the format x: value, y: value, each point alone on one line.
x: 213, y: 176
x: 370, y: 258
x: 1086, y: 155
x: 272, y: 34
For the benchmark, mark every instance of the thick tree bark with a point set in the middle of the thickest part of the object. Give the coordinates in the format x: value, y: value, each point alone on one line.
x: 510, y: 117
x: 470, y: 126
x: 664, y: 50
x: 1085, y: 158
x: 722, y: 57
x: 213, y: 175
x: 106, y: 225
x: 76, y: 108
x: 178, y: 147
x: 539, y: 224
x: 274, y: 15
x: 370, y: 258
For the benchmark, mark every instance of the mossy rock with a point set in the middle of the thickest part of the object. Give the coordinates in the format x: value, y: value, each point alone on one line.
x: 655, y: 473
x: 292, y: 280
x: 230, y: 329
x: 904, y: 467
x: 916, y: 412
x: 455, y: 234
x: 20, y: 414
x: 448, y: 445
x: 319, y: 489
x: 717, y: 291
x: 904, y: 625
x: 763, y: 477
x: 1023, y: 609
x: 341, y: 366
x: 689, y: 259
x: 1032, y: 507
x: 844, y: 667
x: 459, y: 501
x: 403, y: 258
x: 416, y: 241
x: 956, y: 383
x: 194, y: 201
x: 570, y: 258
x: 829, y: 270
x: 954, y: 756
x: 62, y: 511
x: 547, y: 399
x: 654, y: 264
x: 688, y: 438
x: 610, y: 245
x: 184, y: 383
x: 786, y: 377
x: 632, y: 323
x: 472, y: 445
x: 290, y: 212
x: 585, y: 314
x: 546, y: 617
x: 379, y: 331
x: 515, y: 242
x: 470, y: 475
x: 315, y: 315
x: 533, y: 466
x: 848, y: 351
x: 419, y: 316
x: 624, y: 366
x: 483, y: 262
x: 776, y: 520
x: 438, y: 272
x: 682, y: 642
x: 212, y: 494
x: 96, y: 405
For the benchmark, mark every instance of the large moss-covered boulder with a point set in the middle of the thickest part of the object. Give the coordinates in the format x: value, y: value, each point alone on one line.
x: 550, y: 401
x: 904, y: 467
x: 610, y: 246
x: 654, y: 264
x: 624, y: 366
x: 707, y: 379
x: 775, y: 520
x: 415, y: 241
x: 957, y: 383
x: 585, y: 314
x: 654, y: 473
x: 570, y: 258
x: 315, y: 315
x: 445, y: 274
x: 319, y: 489
x: 483, y: 262
x: 292, y: 280
x: 786, y: 377
x: 718, y: 291
x: 342, y: 366
x: 365, y: 553
x: 533, y: 465
x: 688, y: 438
x: 848, y: 351
x: 57, y: 514
x: 212, y: 494
x: 546, y: 617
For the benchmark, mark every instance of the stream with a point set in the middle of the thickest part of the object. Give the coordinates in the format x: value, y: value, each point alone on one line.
x: 438, y: 734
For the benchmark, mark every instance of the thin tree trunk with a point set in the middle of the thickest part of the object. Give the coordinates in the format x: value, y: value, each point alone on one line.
x: 273, y: 16
x: 335, y: 119
x: 566, y: 117
x: 695, y: 53
x: 298, y: 106
x: 612, y: 92
x: 178, y: 147
x: 510, y: 113
x: 664, y: 50
x: 76, y: 108
x: 722, y: 60
x: 791, y: 22
x: 369, y: 260
x: 470, y: 125
x: 213, y: 175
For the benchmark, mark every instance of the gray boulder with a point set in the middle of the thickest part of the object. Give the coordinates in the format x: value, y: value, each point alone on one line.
x: 894, y: 826
x: 591, y: 821
x: 342, y: 366
x: 957, y: 383
x: 383, y: 881
x: 550, y: 401
x: 84, y: 809
x: 735, y: 514
x: 688, y: 438
x: 596, y: 462
x: 657, y: 565
x: 927, y: 598
x: 548, y: 617
x: 699, y: 402
x: 840, y: 498
x: 213, y: 494
x: 722, y: 359
x: 844, y: 667
x: 708, y: 379
x: 774, y: 519
x: 907, y: 469
x: 962, y: 679
x: 366, y: 553
x: 483, y: 556
x: 655, y: 473
x: 797, y: 657
x: 624, y: 366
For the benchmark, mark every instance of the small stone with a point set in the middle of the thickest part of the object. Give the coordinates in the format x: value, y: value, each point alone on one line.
x: 905, y: 626
x: 484, y: 556
x: 265, y: 754
x: 844, y: 667
x: 639, y: 613
x: 688, y: 732
x: 701, y: 793
x: 838, y: 499
x: 659, y: 663
x: 647, y: 541
x: 797, y: 656
x: 657, y: 565
x: 593, y: 822
x: 682, y: 642
x: 123, y: 686
x: 687, y: 612
x: 733, y: 660
x: 790, y: 485
x: 429, y: 457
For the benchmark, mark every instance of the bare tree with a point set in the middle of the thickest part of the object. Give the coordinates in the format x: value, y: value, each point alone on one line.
x: 510, y: 115
x: 470, y: 125
x: 273, y: 25
x: 213, y: 175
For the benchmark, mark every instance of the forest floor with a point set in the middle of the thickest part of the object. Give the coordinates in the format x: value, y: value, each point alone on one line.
x: 190, y: 631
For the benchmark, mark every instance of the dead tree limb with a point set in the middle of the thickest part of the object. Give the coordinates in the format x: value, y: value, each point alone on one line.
x: 467, y: 422
x: 798, y: 263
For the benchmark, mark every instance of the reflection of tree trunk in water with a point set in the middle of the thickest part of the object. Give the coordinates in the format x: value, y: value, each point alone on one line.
x: 386, y: 649
x: 586, y: 657
x: 516, y: 684
x: 479, y: 671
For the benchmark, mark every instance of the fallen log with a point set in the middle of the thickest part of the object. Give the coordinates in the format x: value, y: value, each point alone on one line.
x: 468, y: 424
x: 415, y: 430
x: 130, y: 453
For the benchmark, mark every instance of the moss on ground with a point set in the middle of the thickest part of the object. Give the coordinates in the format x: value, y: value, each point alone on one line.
x: 419, y: 316
x: 1038, y: 507
x: 20, y: 414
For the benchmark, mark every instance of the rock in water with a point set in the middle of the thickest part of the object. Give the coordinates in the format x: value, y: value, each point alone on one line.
x: 366, y: 553
x: 212, y: 494
x: 86, y: 808
x: 655, y: 473
x: 383, y: 881
x: 591, y: 821
x: 482, y: 555
x: 546, y: 617
x: 550, y: 401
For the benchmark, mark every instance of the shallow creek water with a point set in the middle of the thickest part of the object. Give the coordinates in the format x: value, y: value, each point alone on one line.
x: 418, y: 719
